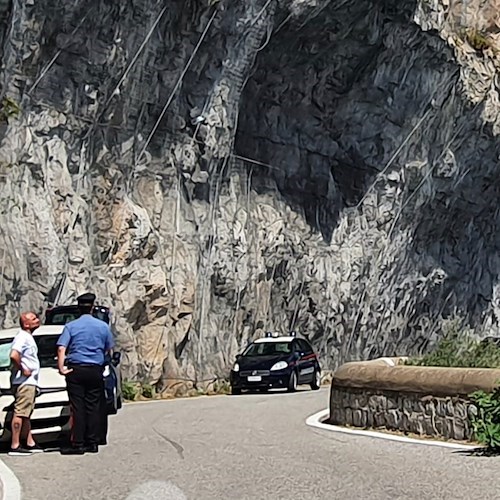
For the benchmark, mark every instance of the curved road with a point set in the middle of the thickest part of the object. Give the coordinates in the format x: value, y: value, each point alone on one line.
x: 252, y: 447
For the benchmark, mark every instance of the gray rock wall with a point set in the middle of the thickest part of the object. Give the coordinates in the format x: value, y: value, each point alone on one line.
x: 408, y: 413
x: 215, y: 169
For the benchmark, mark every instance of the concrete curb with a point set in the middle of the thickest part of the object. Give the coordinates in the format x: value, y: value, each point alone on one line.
x: 10, y: 489
x: 317, y: 419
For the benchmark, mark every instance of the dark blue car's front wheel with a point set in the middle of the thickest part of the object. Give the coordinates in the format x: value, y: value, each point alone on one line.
x: 316, y: 383
x: 292, y: 382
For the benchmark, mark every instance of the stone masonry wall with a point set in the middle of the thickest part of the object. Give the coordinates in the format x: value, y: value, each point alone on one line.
x: 447, y: 417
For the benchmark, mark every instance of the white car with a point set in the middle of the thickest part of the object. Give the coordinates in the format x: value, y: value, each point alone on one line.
x: 51, y: 417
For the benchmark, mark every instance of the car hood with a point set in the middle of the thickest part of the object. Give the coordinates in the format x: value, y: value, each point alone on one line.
x: 261, y: 362
x: 49, y: 379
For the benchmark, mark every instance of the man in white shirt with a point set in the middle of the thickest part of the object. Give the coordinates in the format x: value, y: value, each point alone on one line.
x: 24, y: 382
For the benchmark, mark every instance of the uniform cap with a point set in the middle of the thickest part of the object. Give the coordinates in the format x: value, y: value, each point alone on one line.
x: 86, y: 298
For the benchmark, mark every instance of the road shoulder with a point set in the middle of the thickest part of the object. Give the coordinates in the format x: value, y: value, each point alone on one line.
x: 10, y: 488
x: 317, y: 420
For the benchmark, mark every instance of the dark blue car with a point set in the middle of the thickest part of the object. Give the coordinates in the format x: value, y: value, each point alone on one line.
x: 60, y: 315
x: 281, y: 362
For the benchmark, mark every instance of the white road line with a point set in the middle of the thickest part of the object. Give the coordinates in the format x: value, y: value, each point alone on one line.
x: 317, y: 419
x: 10, y: 483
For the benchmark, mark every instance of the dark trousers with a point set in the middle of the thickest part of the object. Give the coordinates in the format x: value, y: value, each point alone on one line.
x: 104, y: 419
x: 85, y: 389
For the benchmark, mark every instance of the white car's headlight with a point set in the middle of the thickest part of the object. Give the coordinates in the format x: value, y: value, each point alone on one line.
x: 106, y: 371
x: 236, y: 367
x: 280, y: 365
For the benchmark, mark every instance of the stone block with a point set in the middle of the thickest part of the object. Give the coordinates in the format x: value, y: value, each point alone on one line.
x: 376, y: 402
x: 362, y: 400
x: 364, y: 418
x: 416, y: 423
x: 439, y: 424
x: 448, y: 427
x: 459, y: 429
x: 404, y: 421
x: 337, y: 416
x: 460, y: 410
x: 379, y: 419
x: 428, y: 408
x: 407, y: 404
x: 450, y: 408
x: 369, y: 419
x: 441, y: 407
x: 348, y: 416
x: 471, y: 411
x: 355, y: 405
x: 429, y: 427
x: 392, y: 419
x: 357, y: 418
x: 391, y: 403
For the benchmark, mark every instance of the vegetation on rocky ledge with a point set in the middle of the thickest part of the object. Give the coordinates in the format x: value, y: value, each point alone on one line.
x: 136, y: 391
x: 458, y: 348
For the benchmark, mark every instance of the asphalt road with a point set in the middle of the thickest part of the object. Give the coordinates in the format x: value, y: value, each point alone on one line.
x: 251, y: 447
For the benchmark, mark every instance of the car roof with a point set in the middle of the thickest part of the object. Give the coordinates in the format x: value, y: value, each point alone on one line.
x: 42, y: 330
x: 48, y: 330
x: 274, y: 339
x: 8, y: 333
x: 75, y: 306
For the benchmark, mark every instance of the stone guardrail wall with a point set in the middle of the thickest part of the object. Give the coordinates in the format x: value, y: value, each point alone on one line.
x: 430, y: 401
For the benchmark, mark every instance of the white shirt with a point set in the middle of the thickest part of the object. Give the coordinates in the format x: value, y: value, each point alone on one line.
x: 25, y: 345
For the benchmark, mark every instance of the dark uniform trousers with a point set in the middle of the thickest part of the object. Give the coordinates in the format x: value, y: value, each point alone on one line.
x: 104, y: 419
x: 85, y: 389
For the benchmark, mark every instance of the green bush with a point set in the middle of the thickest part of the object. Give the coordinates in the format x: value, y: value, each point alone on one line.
x: 460, y: 349
x: 9, y: 108
x: 477, y: 40
x: 129, y: 390
x: 222, y: 386
x: 147, y: 391
x: 486, y: 422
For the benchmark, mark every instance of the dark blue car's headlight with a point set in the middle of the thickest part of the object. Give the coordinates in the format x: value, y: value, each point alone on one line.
x: 280, y: 365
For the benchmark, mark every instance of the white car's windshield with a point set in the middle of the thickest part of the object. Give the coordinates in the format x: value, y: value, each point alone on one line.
x: 47, y: 351
x: 5, y: 345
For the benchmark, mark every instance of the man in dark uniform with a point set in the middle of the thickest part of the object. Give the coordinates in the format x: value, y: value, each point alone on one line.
x: 81, y: 351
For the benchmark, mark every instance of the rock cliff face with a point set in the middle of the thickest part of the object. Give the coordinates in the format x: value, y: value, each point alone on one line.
x: 216, y: 169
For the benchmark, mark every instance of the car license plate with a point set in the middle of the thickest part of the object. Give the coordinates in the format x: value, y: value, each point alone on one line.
x: 254, y: 378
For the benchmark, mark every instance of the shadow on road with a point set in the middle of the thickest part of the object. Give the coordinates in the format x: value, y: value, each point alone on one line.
x: 270, y: 392
x: 48, y: 447
x: 478, y: 452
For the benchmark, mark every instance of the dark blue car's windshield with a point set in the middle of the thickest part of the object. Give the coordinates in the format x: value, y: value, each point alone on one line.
x: 64, y: 314
x: 268, y: 349
x: 47, y: 350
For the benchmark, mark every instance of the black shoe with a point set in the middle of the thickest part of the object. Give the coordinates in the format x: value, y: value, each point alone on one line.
x: 91, y: 448
x: 73, y: 451
x: 35, y: 448
x: 19, y: 452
